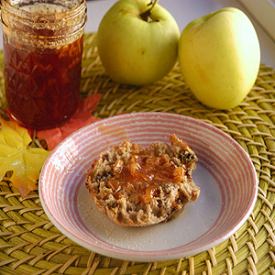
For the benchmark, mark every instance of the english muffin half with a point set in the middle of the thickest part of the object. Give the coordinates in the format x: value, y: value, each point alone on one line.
x: 139, y: 186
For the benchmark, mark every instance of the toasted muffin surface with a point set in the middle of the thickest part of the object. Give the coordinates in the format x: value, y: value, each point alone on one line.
x: 140, y: 186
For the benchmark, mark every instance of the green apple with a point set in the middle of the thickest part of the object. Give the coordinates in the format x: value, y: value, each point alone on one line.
x: 219, y: 56
x: 137, y: 41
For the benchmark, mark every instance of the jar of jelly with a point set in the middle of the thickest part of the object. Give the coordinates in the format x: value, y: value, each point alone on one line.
x: 43, y: 42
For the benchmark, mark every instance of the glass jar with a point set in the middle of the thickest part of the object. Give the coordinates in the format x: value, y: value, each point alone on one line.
x: 43, y: 42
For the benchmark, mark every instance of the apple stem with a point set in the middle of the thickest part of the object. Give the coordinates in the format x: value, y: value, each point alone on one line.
x: 152, y: 4
x: 146, y: 16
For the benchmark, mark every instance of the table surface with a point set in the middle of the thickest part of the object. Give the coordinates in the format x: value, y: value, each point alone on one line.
x: 184, y: 12
x: 30, y: 244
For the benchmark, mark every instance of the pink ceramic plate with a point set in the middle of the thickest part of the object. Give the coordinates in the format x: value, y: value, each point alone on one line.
x: 224, y: 173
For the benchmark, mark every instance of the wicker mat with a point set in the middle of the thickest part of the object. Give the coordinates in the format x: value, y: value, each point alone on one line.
x: 30, y: 244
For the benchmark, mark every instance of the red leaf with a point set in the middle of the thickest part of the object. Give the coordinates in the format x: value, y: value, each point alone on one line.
x: 81, y: 118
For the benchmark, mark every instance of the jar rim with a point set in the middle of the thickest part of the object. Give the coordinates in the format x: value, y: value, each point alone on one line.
x: 44, y: 29
x: 5, y: 4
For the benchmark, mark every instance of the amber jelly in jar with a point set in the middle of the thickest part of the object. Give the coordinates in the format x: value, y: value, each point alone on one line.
x: 43, y: 42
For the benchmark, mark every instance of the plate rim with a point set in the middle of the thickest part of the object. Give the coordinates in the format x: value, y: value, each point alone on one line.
x: 139, y: 255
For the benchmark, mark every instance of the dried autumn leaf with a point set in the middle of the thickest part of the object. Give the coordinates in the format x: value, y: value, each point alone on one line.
x: 81, y: 118
x: 16, y: 155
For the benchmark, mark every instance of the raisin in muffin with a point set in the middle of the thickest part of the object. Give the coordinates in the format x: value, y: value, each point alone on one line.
x: 140, y: 186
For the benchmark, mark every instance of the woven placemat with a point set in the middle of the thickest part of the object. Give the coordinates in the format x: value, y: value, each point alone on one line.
x: 30, y: 244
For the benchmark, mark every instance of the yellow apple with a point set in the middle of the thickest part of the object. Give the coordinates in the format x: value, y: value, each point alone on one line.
x: 137, y: 41
x: 219, y: 56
